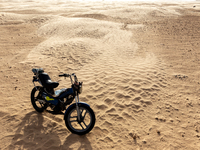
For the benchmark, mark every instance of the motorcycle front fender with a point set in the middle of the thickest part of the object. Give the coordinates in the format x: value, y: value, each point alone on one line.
x: 74, y: 105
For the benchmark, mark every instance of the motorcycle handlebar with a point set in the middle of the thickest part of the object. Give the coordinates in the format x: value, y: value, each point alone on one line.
x: 64, y: 75
x: 68, y: 75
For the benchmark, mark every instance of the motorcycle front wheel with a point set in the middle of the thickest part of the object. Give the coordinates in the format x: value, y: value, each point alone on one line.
x: 86, y: 123
x: 37, y: 101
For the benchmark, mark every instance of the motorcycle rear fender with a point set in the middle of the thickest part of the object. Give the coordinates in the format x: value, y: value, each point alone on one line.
x: 79, y: 104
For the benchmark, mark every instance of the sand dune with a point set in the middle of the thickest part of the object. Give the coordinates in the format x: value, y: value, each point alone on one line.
x: 139, y: 63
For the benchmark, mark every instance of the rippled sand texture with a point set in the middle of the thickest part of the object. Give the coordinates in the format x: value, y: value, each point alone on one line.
x: 139, y: 63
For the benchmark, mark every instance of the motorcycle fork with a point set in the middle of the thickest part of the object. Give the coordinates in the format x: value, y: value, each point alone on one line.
x: 77, y: 108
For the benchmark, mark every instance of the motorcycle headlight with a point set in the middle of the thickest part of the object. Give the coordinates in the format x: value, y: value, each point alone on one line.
x: 80, y: 89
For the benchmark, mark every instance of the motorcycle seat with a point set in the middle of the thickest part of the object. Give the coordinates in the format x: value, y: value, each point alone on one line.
x: 46, y: 81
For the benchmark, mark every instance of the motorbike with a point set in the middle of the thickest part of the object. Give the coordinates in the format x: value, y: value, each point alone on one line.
x: 79, y: 117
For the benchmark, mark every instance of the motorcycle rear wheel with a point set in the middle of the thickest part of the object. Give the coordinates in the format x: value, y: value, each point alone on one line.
x: 87, y: 120
x: 35, y: 96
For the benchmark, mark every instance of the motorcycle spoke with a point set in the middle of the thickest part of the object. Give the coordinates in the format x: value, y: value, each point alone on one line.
x: 85, y: 114
x: 73, y: 120
x: 81, y: 126
x: 85, y: 124
x: 73, y: 116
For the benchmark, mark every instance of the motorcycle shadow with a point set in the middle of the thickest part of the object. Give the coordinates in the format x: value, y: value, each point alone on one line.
x: 37, y: 132
x: 80, y: 142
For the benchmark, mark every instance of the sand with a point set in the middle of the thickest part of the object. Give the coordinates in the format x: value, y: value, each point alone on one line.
x: 139, y: 63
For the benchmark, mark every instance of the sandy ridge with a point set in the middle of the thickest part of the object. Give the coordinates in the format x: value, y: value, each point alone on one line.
x: 139, y: 66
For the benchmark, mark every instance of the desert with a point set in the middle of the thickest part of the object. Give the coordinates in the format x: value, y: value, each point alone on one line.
x: 139, y: 63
